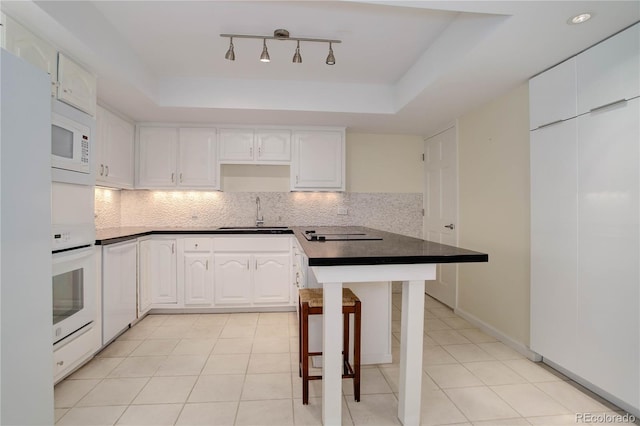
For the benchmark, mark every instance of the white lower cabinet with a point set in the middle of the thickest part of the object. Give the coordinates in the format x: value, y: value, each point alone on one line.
x: 252, y: 271
x: 203, y: 272
x: 271, y: 278
x: 197, y: 271
x: 119, y: 277
x: 161, y: 270
x: 232, y: 279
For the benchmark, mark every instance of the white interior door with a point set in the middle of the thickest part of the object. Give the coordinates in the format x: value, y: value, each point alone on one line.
x: 441, y: 208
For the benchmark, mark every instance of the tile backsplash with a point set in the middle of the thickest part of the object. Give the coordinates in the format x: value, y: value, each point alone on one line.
x: 395, y: 212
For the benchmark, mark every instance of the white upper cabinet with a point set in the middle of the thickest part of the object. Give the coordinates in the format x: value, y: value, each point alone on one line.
x: 318, y: 160
x: 552, y: 95
x: 251, y: 146
x: 609, y: 71
x: 114, y: 150
x: 273, y: 145
x: 157, y: 157
x: 23, y: 43
x: 197, y: 162
x: 172, y: 158
x: 76, y: 86
x: 236, y: 145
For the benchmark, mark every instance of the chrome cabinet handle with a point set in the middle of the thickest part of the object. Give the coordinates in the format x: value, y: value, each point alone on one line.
x: 247, y: 265
x: 172, y: 177
x: 101, y: 169
x: 180, y: 177
x: 106, y: 168
x: 608, y: 105
x: 550, y: 124
x: 250, y: 151
x: 60, y: 363
x: 296, y: 178
x: 450, y: 226
x: 207, y: 265
x: 173, y: 248
x: 260, y: 150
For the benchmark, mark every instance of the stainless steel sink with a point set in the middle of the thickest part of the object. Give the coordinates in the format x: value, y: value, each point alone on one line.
x: 256, y: 229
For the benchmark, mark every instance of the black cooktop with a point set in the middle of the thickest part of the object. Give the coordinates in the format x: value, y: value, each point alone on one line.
x: 346, y: 235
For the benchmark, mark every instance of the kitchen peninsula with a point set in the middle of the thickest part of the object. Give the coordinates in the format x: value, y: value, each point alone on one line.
x: 338, y: 255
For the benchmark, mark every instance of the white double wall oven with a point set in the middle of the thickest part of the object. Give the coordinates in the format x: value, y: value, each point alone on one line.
x: 73, y: 230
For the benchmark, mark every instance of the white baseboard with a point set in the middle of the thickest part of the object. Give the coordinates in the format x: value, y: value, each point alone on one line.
x: 492, y: 331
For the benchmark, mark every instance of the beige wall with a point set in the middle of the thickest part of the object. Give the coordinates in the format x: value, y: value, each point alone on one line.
x: 494, y: 213
x: 374, y: 163
x: 384, y: 163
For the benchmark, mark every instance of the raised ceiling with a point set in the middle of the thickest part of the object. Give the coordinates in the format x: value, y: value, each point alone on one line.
x: 403, y: 66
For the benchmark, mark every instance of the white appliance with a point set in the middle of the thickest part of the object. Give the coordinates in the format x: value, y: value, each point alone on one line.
x: 74, y: 299
x: 74, y: 274
x: 72, y: 145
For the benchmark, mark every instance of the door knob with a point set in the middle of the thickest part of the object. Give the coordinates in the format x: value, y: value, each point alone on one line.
x: 450, y: 226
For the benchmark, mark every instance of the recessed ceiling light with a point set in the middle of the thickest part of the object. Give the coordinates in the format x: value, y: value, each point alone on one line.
x: 579, y: 19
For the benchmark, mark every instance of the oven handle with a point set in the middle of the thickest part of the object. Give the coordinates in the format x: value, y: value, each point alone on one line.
x: 71, y: 255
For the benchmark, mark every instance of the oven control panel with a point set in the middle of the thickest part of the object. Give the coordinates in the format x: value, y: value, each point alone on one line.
x: 65, y: 237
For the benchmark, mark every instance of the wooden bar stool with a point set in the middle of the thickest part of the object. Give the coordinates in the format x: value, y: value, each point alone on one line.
x: 310, y: 303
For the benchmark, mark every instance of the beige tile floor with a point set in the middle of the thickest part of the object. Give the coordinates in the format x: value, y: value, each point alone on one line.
x: 241, y: 369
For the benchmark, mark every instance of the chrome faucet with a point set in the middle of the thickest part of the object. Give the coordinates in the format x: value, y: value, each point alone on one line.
x: 259, y: 215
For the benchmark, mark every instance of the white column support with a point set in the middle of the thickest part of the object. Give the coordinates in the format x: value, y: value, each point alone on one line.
x: 332, y: 353
x: 412, y: 327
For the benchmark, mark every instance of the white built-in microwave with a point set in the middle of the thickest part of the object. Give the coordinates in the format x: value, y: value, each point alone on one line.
x: 70, y: 144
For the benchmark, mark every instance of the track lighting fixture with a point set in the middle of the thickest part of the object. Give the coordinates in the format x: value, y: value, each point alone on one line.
x: 265, y: 53
x: 280, y: 34
x: 230, y: 55
x: 297, y: 58
x: 331, y: 60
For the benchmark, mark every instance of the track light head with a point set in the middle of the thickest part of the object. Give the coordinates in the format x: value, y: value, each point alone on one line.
x: 230, y: 55
x: 331, y: 60
x: 264, y: 57
x: 297, y: 57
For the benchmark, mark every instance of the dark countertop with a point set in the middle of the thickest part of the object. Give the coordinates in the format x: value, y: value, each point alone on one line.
x: 117, y: 235
x: 391, y: 249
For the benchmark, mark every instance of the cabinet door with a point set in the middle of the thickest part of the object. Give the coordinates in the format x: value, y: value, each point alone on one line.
x: 273, y: 145
x: 162, y: 272
x: 23, y: 43
x: 157, y: 157
x: 318, y: 161
x: 115, y: 150
x: 198, y: 279
x: 554, y: 242
x: 236, y: 144
x: 144, y: 277
x: 119, y: 282
x: 609, y: 249
x: 552, y: 95
x: 232, y: 279
x: 197, y: 164
x: 609, y: 71
x: 271, y: 278
x: 77, y: 86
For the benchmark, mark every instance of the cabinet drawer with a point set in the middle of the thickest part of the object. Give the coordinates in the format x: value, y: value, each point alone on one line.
x: 198, y: 244
x: 241, y: 243
x: 74, y: 353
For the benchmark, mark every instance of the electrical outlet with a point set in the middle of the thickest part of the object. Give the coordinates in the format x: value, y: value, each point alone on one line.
x: 343, y: 211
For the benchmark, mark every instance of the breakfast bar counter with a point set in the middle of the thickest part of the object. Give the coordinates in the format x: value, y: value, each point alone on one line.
x: 356, y: 254
x: 353, y: 254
